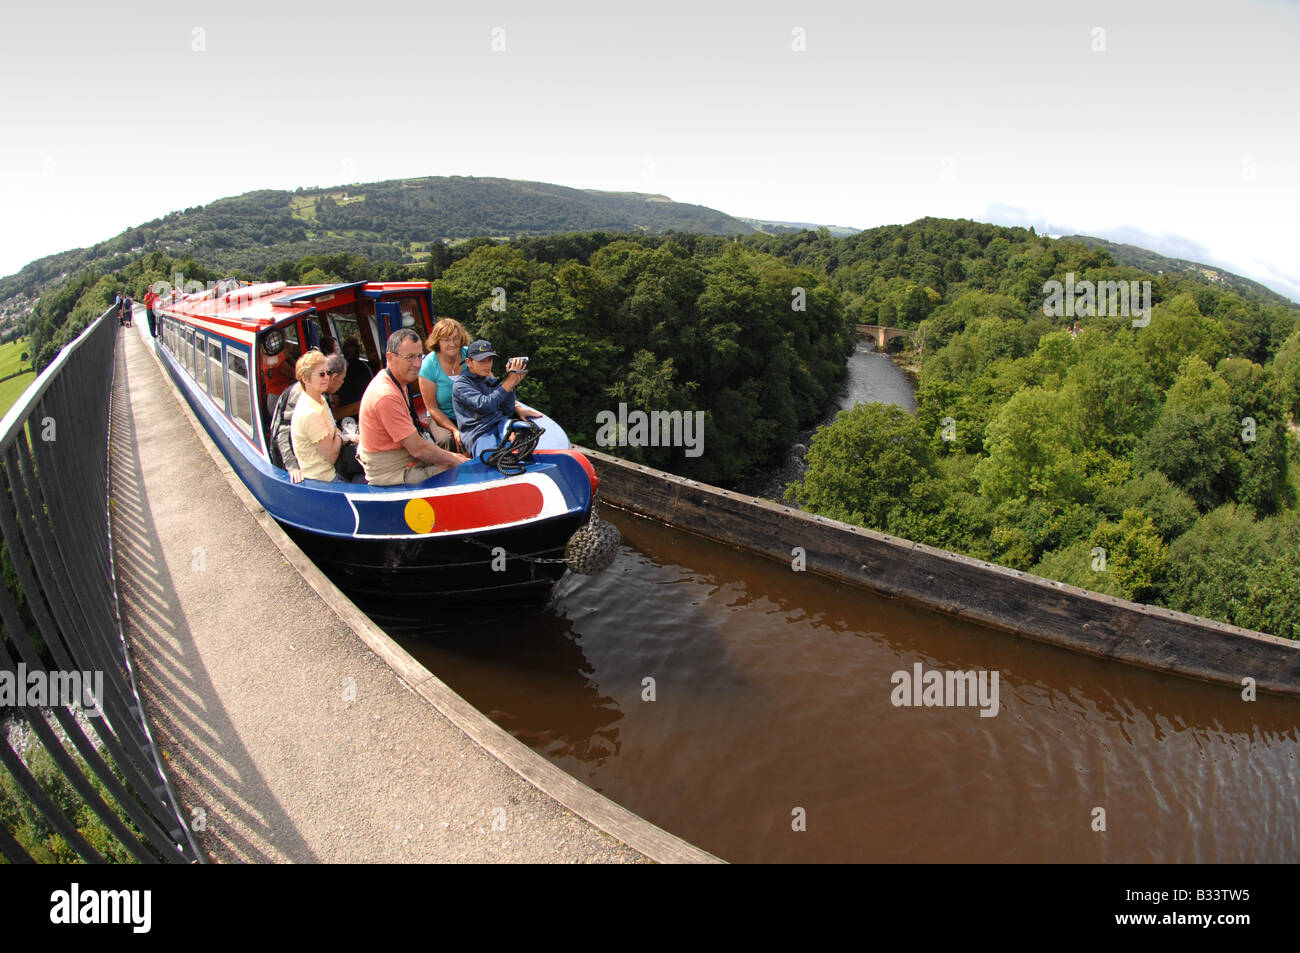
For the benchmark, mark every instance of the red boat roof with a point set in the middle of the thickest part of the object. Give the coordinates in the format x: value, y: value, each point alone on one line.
x: 243, y: 312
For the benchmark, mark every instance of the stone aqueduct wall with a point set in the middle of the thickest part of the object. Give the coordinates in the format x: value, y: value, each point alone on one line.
x: 1040, y: 609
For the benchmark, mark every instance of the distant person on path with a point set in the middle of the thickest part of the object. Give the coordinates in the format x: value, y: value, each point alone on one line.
x: 151, y: 299
x: 394, y: 449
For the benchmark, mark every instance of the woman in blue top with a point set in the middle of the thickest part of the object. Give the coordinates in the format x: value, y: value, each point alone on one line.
x: 442, y: 365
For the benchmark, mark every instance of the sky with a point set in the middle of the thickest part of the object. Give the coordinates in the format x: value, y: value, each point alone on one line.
x: 1171, y: 125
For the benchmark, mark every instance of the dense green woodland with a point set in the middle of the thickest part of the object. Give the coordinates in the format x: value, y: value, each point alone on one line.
x: 1149, y: 462
x: 1152, y: 463
x: 688, y: 323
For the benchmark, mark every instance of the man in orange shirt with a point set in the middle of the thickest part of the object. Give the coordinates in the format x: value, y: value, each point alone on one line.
x: 393, y: 448
x: 151, y: 299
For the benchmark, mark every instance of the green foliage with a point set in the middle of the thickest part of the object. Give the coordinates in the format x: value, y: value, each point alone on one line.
x: 1273, y: 603
x: 382, y: 222
x: 863, y: 464
x: 1176, y: 332
x: 1074, y: 565
x: 1051, y: 440
x: 1196, y: 442
x: 1286, y: 373
x: 35, y: 834
x: 1024, y: 529
x: 1135, y: 553
x: 1170, y: 509
x: 1208, y: 565
x: 1116, y: 396
x: 648, y: 324
x: 1033, y: 448
x: 1034, y: 435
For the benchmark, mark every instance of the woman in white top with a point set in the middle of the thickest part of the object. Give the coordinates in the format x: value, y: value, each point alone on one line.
x: 316, y: 438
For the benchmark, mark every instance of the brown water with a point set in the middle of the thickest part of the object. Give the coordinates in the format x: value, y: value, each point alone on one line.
x: 773, y: 693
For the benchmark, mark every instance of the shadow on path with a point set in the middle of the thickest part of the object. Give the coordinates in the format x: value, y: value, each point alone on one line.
x: 200, y: 744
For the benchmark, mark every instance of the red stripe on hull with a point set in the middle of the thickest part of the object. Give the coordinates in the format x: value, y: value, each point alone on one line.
x: 454, y: 512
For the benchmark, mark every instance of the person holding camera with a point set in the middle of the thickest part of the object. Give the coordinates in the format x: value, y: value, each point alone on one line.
x: 483, y: 404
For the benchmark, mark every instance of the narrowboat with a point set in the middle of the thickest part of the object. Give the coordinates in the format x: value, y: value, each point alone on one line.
x: 469, y: 535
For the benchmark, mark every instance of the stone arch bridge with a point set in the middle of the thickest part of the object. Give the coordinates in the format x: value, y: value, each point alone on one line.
x: 882, y: 334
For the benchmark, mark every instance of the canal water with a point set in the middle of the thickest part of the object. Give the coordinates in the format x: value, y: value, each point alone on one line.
x: 750, y: 709
x: 733, y: 701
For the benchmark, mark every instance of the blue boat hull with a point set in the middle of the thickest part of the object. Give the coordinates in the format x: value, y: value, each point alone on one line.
x: 382, y: 545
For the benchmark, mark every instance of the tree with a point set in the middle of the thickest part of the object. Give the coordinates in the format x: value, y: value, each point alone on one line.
x: 1197, y: 450
x: 1053, y: 357
x: 1286, y: 371
x: 1196, y: 441
x: 1170, y: 509
x: 1033, y: 446
x: 439, y: 259
x: 1206, y: 572
x: 1077, y: 565
x: 1134, y: 553
x: 1176, y: 331
x: 863, y: 464
x: 1117, y: 398
x: 1273, y: 603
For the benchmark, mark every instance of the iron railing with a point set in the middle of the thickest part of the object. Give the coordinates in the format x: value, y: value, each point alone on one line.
x: 59, y: 609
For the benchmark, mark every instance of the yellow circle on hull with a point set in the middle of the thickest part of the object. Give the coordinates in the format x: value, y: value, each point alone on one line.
x: 419, y: 516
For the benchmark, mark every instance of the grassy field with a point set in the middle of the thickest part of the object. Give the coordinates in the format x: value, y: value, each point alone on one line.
x: 304, y: 206
x: 12, y: 389
x: 11, y: 363
x: 10, y: 354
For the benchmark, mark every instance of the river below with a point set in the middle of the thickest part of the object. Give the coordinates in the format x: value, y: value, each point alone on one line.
x: 872, y: 377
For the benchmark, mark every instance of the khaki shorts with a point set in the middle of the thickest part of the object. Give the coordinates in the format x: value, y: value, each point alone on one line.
x: 395, y: 467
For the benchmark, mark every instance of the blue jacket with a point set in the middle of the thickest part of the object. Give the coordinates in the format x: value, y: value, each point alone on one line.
x: 481, y: 405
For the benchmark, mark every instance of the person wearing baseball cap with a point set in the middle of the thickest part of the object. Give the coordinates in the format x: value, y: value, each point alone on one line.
x: 482, y: 403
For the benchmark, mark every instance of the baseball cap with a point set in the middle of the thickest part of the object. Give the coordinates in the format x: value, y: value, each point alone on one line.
x: 479, y: 350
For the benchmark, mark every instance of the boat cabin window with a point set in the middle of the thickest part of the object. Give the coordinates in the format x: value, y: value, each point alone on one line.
x: 241, y: 396
x: 343, y: 325
x: 199, y: 362
x: 216, y: 380
x: 411, y: 314
x: 276, y: 369
x: 372, y: 344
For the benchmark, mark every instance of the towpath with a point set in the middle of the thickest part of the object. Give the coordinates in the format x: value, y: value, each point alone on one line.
x: 287, y: 738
